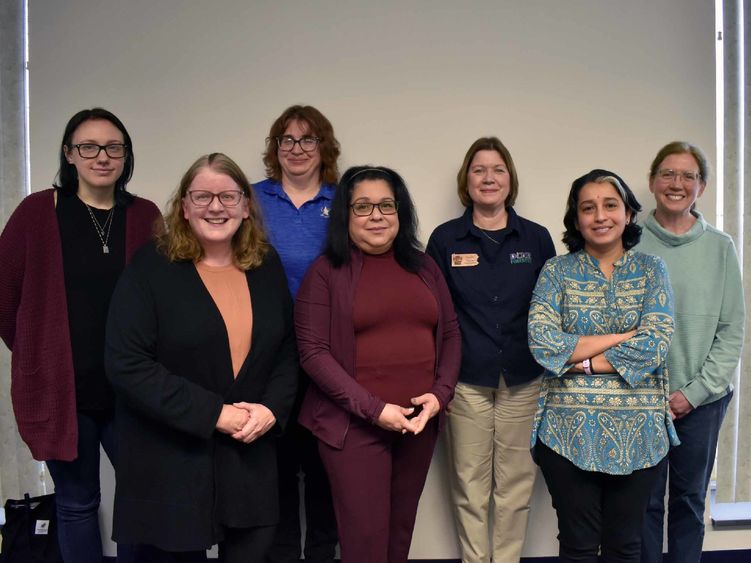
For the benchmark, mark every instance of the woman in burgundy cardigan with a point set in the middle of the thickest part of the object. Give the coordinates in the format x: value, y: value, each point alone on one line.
x: 378, y: 336
x: 62, y: 252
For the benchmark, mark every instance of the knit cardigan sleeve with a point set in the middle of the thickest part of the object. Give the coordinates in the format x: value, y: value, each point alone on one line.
x: 13, y: 260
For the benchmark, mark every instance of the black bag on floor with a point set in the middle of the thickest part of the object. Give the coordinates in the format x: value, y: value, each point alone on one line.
x: 30, y: 531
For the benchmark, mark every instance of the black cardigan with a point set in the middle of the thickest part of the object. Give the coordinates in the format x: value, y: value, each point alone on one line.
x: 179, y: 481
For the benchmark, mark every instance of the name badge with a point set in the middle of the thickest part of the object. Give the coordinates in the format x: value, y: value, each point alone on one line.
x: 521, y: 257
x: 464, y: 260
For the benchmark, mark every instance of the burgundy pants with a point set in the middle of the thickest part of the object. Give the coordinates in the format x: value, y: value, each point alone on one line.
x: 376, y: 482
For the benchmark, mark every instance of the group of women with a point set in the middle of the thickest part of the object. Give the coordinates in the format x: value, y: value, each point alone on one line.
x: 214, y: 392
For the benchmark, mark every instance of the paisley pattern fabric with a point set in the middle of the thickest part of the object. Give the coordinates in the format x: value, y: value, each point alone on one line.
x: 613, y: 422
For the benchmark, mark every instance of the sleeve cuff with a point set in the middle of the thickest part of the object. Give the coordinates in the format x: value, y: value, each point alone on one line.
x: 695, y: 393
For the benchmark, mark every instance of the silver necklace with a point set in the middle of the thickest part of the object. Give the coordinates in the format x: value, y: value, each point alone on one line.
x: 483, y: 231
x: 101, y: 228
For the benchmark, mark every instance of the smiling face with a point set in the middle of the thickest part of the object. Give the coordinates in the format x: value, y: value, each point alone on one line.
x: 675, y: 197
x: 296, y: 163
x: 601, y: 218
x: 98, y: 174
x: 375, y: 233
x: 488, y: 180
x: 214, y: 225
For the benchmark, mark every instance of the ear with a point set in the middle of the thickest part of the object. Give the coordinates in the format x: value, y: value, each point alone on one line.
x: 701, y: 189
x: 246, y: 208
x: 629, y: 214
x: 68, y: 154
x: 184, y: 206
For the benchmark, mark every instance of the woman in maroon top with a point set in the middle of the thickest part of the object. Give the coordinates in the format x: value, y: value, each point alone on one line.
x: 379, y: 338
x: 62, y: 252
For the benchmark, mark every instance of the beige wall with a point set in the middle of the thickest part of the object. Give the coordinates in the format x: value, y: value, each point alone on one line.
x: 568, y: 86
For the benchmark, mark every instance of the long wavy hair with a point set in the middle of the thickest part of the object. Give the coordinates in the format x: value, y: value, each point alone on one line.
x: 178, y: 242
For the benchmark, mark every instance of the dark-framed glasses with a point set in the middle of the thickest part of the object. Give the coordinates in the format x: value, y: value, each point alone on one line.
x: 363, y: 209
x: 668, y: 175
x: 92, y: 150
x: 204, y: 198
x: 308, y: 143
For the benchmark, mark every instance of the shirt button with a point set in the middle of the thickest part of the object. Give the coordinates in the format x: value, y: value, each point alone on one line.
x: 495, y: 299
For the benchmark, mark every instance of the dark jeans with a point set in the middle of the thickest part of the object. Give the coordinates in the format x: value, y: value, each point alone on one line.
x: 77, y: 489
x: 597, y: 512
x: 298, y: 456
x: 690, y: 467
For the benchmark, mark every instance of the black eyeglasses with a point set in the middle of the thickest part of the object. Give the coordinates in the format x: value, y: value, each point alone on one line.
x: 92, y: 150
x: 308, y: 143
x: 203, y: 198
x: 364, y: 209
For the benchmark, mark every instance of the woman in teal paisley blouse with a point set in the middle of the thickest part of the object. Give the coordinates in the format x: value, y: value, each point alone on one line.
x: 600, y: 324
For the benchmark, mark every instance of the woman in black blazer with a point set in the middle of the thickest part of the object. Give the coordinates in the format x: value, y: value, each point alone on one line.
x: 201, y: 354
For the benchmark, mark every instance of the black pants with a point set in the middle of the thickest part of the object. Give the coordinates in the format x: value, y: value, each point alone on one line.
x: 297, y: 453
x: 597, y: 512
x: 240, y: 545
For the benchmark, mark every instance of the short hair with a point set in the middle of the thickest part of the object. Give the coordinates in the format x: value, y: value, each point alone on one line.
x: 67, y: 175
x: 178, y: 242
x: 572, y: 237
x: 407, y: 247
x: 487, y: 144
x: 319, y: 126
x: 682, y: 147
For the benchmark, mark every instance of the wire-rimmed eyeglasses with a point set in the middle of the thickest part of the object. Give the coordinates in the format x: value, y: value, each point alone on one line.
x: 668, y: 175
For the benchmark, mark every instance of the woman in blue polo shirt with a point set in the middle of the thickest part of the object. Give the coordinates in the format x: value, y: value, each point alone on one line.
x: 301, y: 168
x: 491, y: 258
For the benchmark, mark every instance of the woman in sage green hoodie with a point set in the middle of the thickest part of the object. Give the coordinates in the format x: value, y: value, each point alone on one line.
x: 706, y: 346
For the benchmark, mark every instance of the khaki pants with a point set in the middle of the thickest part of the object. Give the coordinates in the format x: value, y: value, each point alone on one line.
x: 488, y: 437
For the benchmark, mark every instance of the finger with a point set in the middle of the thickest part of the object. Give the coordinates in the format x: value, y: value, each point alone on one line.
x: 409, y: 425
x: 405, y: 411
x: 420, y: 421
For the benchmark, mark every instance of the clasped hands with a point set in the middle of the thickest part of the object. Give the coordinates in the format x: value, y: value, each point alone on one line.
x: 245, y: 422
x: 394, y: 418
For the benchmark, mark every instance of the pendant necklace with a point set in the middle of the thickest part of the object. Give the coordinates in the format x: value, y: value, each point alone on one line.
x: 101, y: 228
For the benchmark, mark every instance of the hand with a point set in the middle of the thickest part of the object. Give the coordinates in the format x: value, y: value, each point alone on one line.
x: 431, y: 406
x: 260, y: 420
x: 394, y: 418
x: 231, y: 419
x: 679, y: 404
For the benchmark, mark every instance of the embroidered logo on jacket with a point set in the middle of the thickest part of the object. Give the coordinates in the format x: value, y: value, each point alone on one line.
x: 521, y: 257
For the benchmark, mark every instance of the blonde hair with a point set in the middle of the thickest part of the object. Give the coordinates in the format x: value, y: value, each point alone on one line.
x: 178, y: 242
